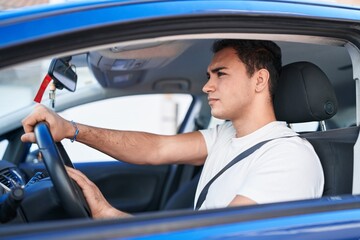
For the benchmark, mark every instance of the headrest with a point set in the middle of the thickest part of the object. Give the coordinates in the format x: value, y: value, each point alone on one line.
x: 304, y: 94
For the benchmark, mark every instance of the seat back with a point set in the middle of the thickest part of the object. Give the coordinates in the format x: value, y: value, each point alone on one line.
x: 335, y: 149
x: 305, y: 94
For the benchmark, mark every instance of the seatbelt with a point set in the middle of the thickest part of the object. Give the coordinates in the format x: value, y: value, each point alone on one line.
x: 237, y: 159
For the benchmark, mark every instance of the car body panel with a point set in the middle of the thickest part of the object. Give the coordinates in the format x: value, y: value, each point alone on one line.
x: 317, y: 219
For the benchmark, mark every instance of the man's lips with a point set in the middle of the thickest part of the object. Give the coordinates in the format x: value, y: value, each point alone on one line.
x: 212, y: 100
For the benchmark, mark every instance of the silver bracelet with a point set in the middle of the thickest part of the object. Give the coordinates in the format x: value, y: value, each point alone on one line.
x: 76, y: 131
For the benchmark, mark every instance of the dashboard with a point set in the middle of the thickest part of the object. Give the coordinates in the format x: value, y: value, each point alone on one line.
x: 10, y: 177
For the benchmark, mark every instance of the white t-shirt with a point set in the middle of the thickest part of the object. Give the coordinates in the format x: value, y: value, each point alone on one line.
x: 284, y: 169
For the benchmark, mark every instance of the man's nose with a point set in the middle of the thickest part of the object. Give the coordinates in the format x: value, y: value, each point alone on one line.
x: 208, y: 87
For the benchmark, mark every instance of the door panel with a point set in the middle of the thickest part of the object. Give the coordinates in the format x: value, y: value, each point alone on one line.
x: 128, y: 187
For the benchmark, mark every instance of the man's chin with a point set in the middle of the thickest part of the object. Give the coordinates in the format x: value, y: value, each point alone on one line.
x: 218, y: 115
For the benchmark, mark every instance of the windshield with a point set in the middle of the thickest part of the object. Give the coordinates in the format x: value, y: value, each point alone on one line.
x: 19, y: 84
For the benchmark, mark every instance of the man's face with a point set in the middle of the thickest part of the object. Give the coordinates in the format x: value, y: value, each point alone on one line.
x: 230, y: 90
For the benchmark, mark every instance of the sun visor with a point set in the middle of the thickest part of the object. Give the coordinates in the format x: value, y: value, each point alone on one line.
x: 123, y: 66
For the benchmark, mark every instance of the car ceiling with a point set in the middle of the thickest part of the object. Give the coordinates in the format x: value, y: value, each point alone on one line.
x: 183, y: 65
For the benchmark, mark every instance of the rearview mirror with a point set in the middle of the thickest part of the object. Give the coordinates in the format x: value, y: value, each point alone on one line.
x: 63, y: 75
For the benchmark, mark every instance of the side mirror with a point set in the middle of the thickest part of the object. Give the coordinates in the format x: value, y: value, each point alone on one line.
x: 63, y: 75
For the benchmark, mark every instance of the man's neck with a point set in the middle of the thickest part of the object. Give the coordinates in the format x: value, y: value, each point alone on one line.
x: 249, y: 123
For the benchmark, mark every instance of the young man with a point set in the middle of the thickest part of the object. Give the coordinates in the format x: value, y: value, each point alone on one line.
x: 242, y: 78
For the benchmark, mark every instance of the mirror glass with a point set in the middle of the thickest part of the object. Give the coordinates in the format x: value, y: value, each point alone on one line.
x: 63, y: 74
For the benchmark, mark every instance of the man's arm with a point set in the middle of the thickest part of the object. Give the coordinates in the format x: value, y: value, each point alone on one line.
x: 146, y: 148
x: 240, y: 200
x: 129, y: 146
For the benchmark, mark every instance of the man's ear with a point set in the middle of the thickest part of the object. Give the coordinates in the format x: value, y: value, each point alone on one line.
x: 262, y: 80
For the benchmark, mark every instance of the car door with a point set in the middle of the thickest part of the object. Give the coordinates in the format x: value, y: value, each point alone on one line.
x: 129, y: 187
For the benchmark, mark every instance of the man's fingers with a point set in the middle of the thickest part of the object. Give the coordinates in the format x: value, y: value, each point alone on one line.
x: 27, y: 126
x: 59, y: 127
x: 79, y: 177
x: 28, y: 137
x: 30, y: 121
x: 80, y: 180
x: 99, y: 206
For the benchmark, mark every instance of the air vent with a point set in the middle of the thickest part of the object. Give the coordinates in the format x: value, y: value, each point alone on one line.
x: 10, y: 177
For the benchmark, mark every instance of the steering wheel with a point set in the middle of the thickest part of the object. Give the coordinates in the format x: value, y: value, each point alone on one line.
x: 68, y: 191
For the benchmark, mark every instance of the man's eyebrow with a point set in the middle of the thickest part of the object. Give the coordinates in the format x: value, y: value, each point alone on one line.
x: 215, y: 70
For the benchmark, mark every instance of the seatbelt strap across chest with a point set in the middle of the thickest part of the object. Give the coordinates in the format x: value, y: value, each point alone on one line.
x: 237, y: 159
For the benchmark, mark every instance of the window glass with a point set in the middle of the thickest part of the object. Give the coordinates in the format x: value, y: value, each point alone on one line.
x: 3, y: 145
x: 158, y: 113
x: 27, y: 78
x: 305, y: 127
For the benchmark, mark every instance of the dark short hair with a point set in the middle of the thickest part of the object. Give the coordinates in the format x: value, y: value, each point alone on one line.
x: 255, y: 54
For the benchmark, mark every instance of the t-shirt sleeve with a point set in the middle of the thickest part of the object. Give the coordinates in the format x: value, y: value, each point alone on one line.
x: 211, y: 135
x: 283, y: 173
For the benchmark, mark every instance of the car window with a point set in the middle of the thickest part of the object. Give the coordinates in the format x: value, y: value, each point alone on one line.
x: 305, y: 127
x: 3, y: 145
x: 157, y: 113
x: 26, y: 80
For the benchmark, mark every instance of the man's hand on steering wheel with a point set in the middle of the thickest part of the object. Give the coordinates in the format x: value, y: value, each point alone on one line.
x: 59, y: 127
x: 99, y: 206
x: 75, y: 202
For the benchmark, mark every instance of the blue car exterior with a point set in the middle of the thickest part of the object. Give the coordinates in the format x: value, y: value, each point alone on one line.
x: 326, y: 218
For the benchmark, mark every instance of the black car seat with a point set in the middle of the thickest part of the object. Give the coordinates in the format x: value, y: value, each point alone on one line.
x: 305, y: 94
